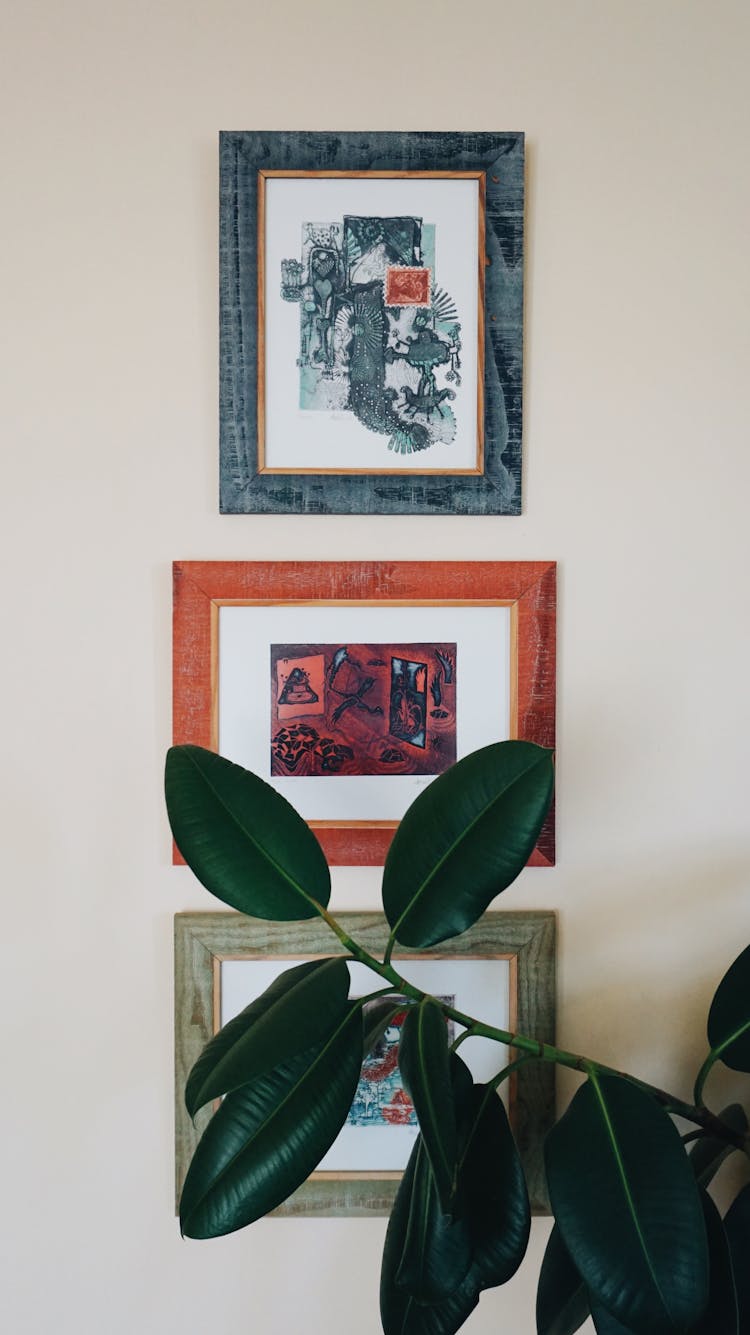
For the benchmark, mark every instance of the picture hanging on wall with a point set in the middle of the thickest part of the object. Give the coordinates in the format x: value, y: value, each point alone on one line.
x: 502, y: 968
x: 350, y: 685
x: 371, y: 324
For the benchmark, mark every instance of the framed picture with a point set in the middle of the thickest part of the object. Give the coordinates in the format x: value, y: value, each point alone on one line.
x: 502, y: 970
x: 371, y: 322
x: 349, y: 686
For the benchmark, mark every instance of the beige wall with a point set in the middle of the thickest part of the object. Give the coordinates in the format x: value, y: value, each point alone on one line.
x: 637, y: 475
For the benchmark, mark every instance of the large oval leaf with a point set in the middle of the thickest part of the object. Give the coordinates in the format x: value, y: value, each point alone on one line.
x: 492, y: 1189
x: 729, y: 1016
x: 435, y: 1250
x: 464, y: 839
x: 562, y: 1300
x: 424, y: 1062
x: 400, y: 1311
x: 268, y: 1136
x: 720, y: 1317
x: 244, y: 841
x: 737, y: 1230
x: 628, y: 1208
x: 708, y: 1154
x: 300, y: 1007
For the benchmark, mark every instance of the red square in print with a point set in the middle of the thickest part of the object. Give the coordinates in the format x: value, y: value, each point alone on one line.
x: 406, y: 286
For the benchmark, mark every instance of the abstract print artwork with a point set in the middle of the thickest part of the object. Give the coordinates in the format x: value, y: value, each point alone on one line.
x: 362, y: 709
x: 378, y: 336
x: 380, y: 1098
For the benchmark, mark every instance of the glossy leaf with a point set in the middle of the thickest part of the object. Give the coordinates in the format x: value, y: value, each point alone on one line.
x: 721, y: 1316
x: 708, y: 1154
x: 492, y: 1190
x: 268, y: 1136
x: 606, y: 1324
x: 244, y: 841
x: 729, y: 1016
x: 299, y: 1008
x: 424, y: 1061
x: 628, y: 1208
x: 462, y: 1082
x: 435, y: 1249
x: 464, y: 839
x: 401, y: 1313
x: 378, y: 1014
x: 562, y: 1300
x: 737, y: 1230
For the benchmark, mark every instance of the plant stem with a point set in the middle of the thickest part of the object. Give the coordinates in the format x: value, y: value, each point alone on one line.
x: 701, y: 1078
x: 696, y: 1113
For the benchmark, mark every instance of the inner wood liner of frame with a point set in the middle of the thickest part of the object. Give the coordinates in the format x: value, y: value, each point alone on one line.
x: 373, y: 1174
x: 480, y: 178
x: 218, y: 603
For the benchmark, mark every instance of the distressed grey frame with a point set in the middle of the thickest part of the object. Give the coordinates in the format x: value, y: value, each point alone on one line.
x: 245, y: 490
x: 203, y: 940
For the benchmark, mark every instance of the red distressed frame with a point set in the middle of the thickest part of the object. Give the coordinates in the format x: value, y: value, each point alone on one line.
x: 527, y: 587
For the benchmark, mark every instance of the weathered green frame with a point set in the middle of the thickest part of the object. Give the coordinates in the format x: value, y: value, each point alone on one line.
x: 204, y: 940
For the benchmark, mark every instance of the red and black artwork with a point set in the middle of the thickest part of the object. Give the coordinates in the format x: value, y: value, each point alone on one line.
x: 362, y: 709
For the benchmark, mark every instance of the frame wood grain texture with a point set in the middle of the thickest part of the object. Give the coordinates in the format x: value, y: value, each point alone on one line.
x: 247, y: 160
x: 203, y: 940
x: 528, y: 588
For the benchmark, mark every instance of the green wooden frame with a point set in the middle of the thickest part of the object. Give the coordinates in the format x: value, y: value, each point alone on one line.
x: 204, y: 940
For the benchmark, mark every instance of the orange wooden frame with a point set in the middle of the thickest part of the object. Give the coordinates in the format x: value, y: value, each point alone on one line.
x: 528, y: 588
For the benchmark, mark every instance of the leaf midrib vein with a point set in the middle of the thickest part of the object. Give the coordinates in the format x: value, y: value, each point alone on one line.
x: 463, y: 835
x: 263, y: 852
x: 626, y: 1187
x: 727, y: 1042
x: 259, y: 1024
x: 275, y: 1111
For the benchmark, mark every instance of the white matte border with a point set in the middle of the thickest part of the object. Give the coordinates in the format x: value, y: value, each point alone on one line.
x: 298, y: 439
x: 246, y: 633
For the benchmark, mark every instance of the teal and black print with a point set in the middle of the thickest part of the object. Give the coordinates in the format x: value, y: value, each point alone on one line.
x: 378, y: 336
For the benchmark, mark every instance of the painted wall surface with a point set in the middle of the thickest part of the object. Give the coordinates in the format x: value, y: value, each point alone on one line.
x: 637, y: 482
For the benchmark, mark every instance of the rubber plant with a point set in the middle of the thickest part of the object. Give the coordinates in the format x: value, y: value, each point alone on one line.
x: 637, y: 1242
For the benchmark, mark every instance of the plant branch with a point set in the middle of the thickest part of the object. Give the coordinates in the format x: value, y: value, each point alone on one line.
x: 696, y: 1113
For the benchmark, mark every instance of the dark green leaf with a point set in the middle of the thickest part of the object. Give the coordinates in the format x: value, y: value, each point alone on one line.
x: 562, y: 1300
x: 242, y: 839
x: 378, y: 1014
x: 737, y: 1230
x: 435, y: 1250
x: 708, y: 1154
x: 606, y: 1324
x: 720, y: 1317
x: 464, y: 839
x: 424, y: 1062
x: 492, y: 1190
x: 300, y: 1008
x: 729, y: 1016
x: 400, y: 1312
x: 628, y: 1208
x: 462, y: 1082
x: 268, y: 1136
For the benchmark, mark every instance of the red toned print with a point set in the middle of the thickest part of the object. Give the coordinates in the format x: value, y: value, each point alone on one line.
x: 406, y: 286
x: 300, y: 686
x: 362, y: 709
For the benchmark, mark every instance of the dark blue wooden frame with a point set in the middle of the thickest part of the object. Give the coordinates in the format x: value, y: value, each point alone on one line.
x: 497, y: 490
